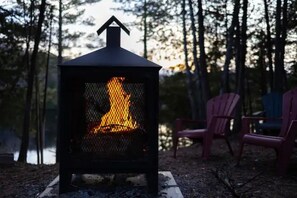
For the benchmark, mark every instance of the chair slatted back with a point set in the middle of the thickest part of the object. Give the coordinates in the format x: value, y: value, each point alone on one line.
x: 289, y: 110
x: 272, y: 103
x: 222, y: 105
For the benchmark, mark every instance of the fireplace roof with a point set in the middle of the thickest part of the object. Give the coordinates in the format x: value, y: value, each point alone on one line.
x: 112, y: 55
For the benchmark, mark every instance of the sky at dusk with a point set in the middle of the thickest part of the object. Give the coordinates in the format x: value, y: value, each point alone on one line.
x: 102, y: 11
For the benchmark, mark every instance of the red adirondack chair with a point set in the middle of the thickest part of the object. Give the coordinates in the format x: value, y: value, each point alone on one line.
x: 219, y: 113
x: 283, y: 144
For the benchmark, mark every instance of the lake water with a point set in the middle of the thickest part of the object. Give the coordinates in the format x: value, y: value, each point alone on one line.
x: 49, y: 156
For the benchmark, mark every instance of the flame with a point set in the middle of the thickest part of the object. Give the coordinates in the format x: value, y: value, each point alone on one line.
x: 118, y: 118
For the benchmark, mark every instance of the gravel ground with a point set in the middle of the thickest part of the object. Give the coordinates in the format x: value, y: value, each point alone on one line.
x: 25, y: 180
x: 216, y: 177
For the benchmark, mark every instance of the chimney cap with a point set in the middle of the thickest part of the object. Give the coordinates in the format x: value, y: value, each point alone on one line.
x: 110, y: 21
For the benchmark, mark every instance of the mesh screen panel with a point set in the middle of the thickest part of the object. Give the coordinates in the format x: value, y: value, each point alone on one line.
x: 114, y: 139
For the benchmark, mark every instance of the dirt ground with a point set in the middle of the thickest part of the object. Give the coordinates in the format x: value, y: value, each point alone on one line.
x: 220, y: 177
x: 216, y: 177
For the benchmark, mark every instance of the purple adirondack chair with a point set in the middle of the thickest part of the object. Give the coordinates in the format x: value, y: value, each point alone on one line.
x: 283, y: 144
x: 219, y: 113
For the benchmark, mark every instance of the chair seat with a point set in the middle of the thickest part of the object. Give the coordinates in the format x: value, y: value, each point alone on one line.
x: 263, y: 140
x: 192, y: 133
x: 270, y: 125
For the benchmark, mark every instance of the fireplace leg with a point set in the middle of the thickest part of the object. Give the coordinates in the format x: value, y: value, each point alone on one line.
x: 65, y: 182
x: 152, y: 182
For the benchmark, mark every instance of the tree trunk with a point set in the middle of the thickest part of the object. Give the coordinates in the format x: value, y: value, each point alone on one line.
x: 202, y: 60
x: 27, y: 113
x: 60, y: 46
x: 201, y: 102
x: 262, y: 67
x: 145, y: 29
x: 37, y: 117
x: 230, y: 44
x: 268, y: 46
x: 28, y: 33
x: 237, y: 56
x: 189, y: 79
x: 283, y: 43
x: 25, y: 137
x: 42, y: 125
x: 241, y: 71
x: 278, y: 73
x: 242, y: 49
x: 60, y: 60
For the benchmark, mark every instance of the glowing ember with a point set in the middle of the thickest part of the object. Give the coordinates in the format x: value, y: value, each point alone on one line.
x: 118, y: 118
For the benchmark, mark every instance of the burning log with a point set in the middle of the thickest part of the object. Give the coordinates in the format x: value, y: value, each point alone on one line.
x: 119, y: 145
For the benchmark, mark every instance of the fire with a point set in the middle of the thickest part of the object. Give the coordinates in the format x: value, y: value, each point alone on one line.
x: 118, y: 118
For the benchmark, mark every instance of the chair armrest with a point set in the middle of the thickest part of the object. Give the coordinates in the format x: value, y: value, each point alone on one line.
x: 260, y: 118
x: 224, y: 117
x: 258, y: 114
x: 247, y: 121
x: 190, y: 120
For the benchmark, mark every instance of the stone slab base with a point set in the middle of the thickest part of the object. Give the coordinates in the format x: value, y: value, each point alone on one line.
x: 167, y: 186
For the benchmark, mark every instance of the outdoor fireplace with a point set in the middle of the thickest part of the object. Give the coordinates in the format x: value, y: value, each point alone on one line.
x: 108, y: 113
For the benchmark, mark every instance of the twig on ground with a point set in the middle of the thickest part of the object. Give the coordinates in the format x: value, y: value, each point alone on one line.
x: 251, y: 179
x: 257, y: 186
x: 226, y: 182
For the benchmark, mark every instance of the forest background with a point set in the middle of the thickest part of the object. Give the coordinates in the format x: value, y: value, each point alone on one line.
x: 214, y: 46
